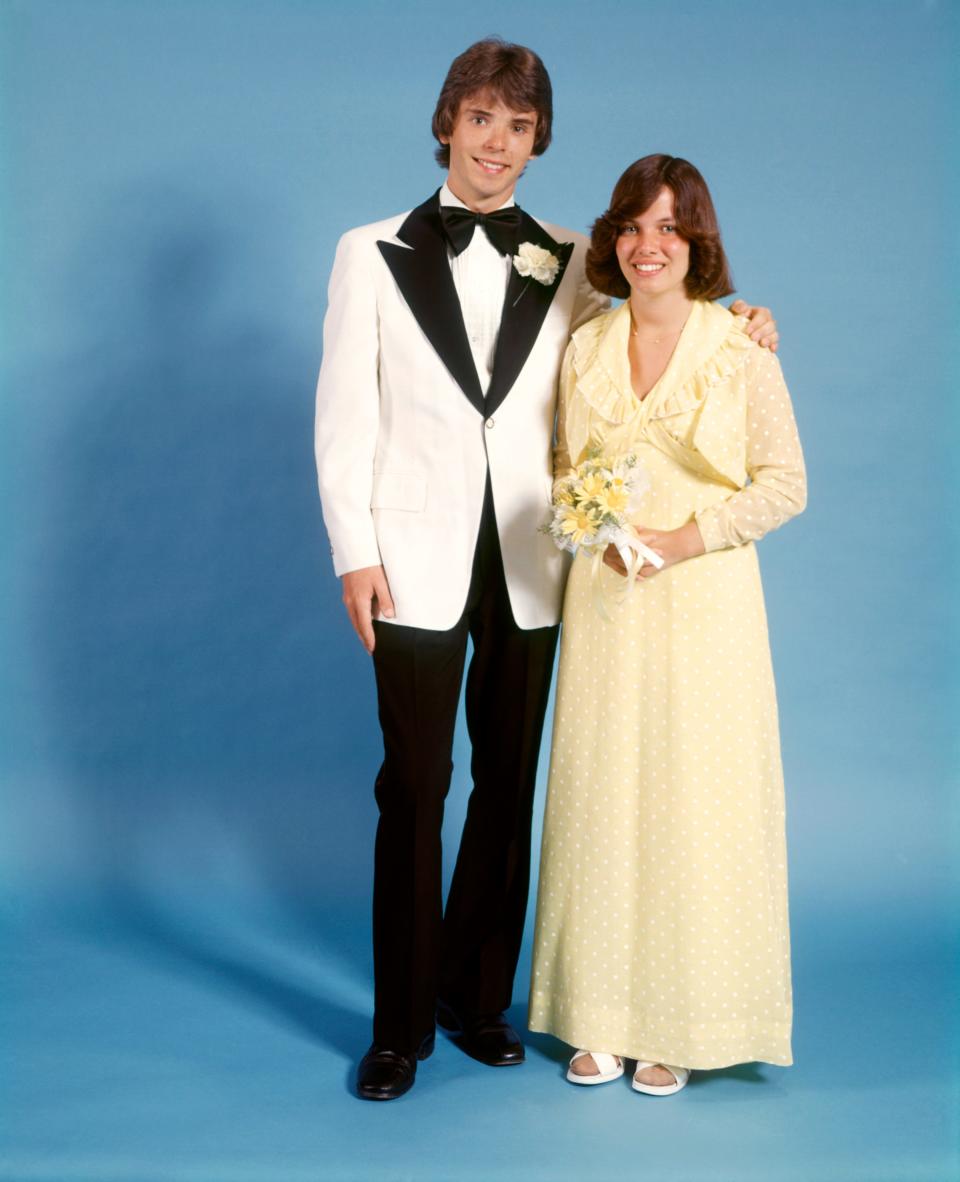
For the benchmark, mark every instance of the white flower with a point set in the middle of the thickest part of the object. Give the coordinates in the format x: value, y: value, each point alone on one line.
x: 536, y: 262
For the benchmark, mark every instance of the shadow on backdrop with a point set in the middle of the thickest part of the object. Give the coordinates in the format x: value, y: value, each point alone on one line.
x: 203, y: 714
x: 143, y: 926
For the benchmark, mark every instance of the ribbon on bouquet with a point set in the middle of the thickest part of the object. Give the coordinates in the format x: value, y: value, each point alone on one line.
x: 633, y: 553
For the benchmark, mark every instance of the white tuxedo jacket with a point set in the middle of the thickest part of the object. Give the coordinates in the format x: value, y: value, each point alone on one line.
x: 405, y: 437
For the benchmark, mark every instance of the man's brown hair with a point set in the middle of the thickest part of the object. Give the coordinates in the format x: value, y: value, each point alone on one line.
x: 709, y: 275
x: 511, y: 72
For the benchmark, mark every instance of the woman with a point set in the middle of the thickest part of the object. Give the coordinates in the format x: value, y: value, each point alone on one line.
x: 661, y: 931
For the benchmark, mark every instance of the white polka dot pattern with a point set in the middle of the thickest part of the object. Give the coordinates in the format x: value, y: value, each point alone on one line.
x: 662, y: 929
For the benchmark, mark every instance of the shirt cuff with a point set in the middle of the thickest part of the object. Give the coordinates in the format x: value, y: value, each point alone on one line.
x: 708, y: 523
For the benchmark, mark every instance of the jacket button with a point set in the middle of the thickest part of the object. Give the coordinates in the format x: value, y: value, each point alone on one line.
x: 488, y: 424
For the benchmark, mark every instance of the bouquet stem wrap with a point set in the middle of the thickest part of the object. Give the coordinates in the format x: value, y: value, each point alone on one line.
x: 633, y: 554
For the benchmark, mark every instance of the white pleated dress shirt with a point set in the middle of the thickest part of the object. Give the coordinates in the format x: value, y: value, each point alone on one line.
x: 480, y: 275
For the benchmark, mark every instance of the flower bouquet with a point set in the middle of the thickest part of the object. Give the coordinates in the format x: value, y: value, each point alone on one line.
x: 592, y: 508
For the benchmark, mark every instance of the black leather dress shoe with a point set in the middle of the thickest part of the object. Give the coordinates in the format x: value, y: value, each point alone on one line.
x: 384, y: 1074
x: 487, y: 1037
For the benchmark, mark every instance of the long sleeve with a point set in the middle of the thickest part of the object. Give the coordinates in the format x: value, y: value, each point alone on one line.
x: 562, y: 463
x: 348, y: 408
x: 774, y: 461
x: 588, y: 303
x: 574, y: 412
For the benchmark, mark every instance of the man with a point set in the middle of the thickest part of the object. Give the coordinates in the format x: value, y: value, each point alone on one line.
x: 435, y: 414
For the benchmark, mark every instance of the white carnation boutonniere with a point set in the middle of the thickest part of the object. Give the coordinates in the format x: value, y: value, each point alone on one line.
x: 532, y: 261
x: 535, y: 262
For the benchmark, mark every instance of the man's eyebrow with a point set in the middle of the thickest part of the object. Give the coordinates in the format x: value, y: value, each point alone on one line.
x: 525, y: 119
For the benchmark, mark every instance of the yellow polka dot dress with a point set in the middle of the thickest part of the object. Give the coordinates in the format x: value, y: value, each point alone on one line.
x: 661, y: 928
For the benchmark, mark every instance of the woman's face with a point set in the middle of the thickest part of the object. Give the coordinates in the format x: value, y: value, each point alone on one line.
x: 653, y: 257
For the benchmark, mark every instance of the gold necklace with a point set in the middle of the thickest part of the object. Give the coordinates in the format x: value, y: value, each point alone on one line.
x: 653, y: 341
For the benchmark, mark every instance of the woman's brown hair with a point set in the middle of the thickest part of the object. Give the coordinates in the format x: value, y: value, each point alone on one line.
x: 709, y: 275
x: 512, y: 72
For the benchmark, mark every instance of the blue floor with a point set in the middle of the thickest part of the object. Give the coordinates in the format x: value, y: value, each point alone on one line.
x: 195, y: 1045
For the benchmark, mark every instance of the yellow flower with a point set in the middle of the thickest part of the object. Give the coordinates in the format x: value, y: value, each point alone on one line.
x: 563, y: 495
x: 577, y: 524
x: 591, y: 486
x: 613, y: 499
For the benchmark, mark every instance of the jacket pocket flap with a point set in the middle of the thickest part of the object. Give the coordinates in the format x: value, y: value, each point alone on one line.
x: 391, y: 490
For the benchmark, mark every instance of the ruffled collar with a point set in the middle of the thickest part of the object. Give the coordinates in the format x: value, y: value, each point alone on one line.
x: 712, y: 346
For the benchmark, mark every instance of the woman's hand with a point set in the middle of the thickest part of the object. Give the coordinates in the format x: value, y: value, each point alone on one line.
x: 673, y: 546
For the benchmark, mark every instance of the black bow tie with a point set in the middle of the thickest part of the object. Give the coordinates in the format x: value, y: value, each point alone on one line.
x: 501, y: 226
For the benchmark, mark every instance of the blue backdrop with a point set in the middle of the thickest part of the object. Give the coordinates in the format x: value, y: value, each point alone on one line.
x: 189, y: 733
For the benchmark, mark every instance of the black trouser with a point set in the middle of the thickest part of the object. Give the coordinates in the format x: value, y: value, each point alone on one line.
x: 467, y: 954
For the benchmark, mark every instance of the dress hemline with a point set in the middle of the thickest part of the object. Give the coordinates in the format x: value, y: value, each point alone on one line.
x: 751, y: 1051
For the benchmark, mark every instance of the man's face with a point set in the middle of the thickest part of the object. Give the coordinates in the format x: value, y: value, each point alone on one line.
x: 489, y: 148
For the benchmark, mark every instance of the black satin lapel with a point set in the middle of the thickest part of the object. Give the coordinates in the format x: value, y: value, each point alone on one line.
x: 422, y: 273
x: 524, y: 310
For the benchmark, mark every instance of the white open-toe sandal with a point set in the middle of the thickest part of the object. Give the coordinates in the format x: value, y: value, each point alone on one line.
x: 609, y: 1067
x: 680, y: 1074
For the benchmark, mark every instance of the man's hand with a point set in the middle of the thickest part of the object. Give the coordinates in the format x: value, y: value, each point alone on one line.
x: 761, y: 325
x: 365, y: 594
